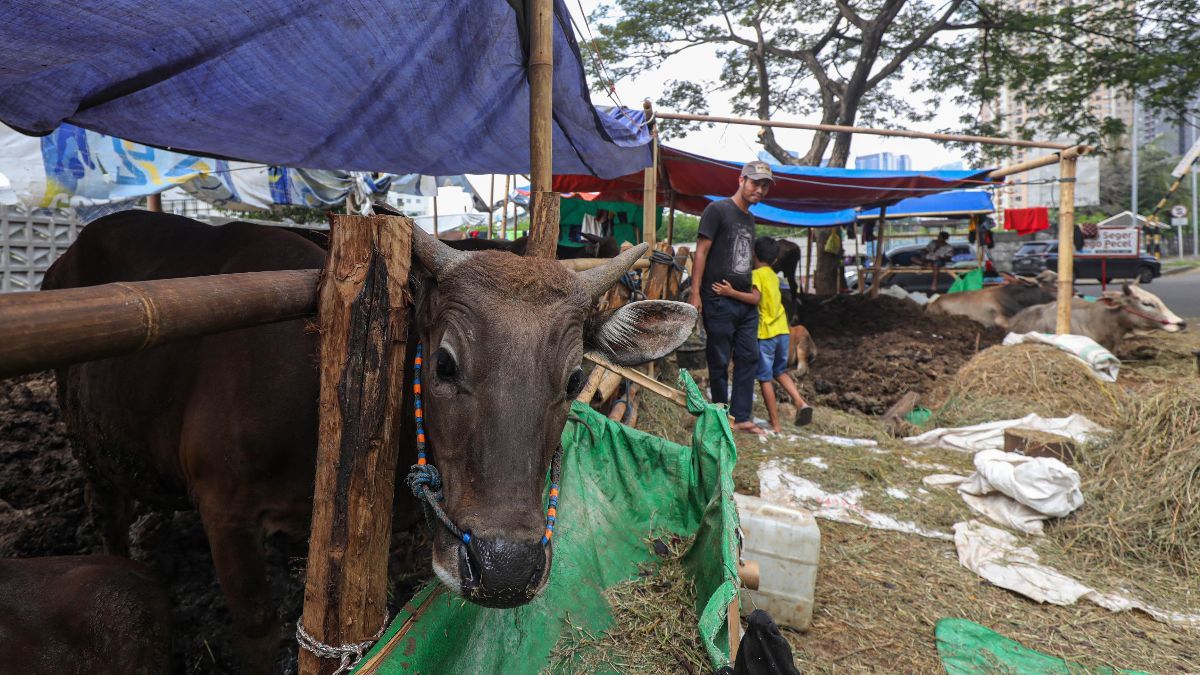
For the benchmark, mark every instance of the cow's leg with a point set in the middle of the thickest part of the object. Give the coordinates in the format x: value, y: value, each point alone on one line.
x: 237, y: 551
x: 111, y: 512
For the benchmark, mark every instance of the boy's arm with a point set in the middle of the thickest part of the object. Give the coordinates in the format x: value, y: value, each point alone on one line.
x: 725, y: 289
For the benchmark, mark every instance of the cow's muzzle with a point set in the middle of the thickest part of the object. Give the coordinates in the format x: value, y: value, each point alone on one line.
x: 502, y: 572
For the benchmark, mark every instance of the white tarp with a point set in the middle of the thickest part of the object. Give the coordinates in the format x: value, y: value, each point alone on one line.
x: 777, y: 484
x: 998, y: 557
x: 1103, y: 364
x: 1021, y: 492
x: 990, y: 435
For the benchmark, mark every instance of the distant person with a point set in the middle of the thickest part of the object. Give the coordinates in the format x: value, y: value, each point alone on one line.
x: 773, y: 331
x: 937, y: 254
x: 724, y: 245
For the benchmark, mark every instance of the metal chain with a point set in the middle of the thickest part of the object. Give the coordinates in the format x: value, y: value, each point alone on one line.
x: 350, y: 654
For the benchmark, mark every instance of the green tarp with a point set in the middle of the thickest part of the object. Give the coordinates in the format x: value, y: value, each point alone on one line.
x: 626, y: 228
x: 620, y: 486
x: 971, y: 281
x: 967, y: 648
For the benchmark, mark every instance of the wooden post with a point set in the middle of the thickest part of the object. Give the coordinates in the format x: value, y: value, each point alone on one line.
x: 435, y: 215
x: 860, y: 258
x: 491, y: 205
x: 55, y: 328
x: 1066, y: 243
x: 877, y: 276
x: 154, y: 202
x: 671, y: 219
x: 364, y: 327
x: 650, y: 182
x: 808, y: 263
x: 543, y: 201
x: 504, y: 223
x: 976, y: 222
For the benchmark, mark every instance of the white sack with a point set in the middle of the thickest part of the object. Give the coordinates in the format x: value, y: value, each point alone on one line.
x: 990, y: 436
x: 1103, y: 364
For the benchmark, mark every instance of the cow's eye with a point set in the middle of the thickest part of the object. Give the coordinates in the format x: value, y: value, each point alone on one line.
x: 575, y: 383
x: 445, y: 366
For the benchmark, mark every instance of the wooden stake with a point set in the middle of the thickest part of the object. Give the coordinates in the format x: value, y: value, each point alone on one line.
x: 435, y: 215
x: 640, y: 378
x: 957, y: 138
x: 364, y: 328
x: 650, y: 182
x: 154, y: 202
x: 1066, y: 244
x: 55, y: 328
x: 543, y: 201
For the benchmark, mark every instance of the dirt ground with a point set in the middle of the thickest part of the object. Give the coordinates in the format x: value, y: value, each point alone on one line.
x: 873, y: 351
x: 43, y: 513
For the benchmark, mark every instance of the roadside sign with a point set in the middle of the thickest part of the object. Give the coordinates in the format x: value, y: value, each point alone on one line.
x: 1178, y: 221
x: 1178, y: 211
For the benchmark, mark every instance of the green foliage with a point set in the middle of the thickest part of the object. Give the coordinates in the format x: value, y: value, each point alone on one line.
x: 841, y: 59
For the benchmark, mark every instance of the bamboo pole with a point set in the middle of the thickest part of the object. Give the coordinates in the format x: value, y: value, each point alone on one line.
x: 650, y: 182
x: 1066, y: 244
x: 504, y: 223
x: 642, y: 379
x: 58, y: 327
x: 491, y: 205
x: 877, y: 277
x: 671, y: 219
x: 808, y: 262
x: 364, y: 328
x: 957, y: 138
x: 543, y: 201
x: 1038, y: 162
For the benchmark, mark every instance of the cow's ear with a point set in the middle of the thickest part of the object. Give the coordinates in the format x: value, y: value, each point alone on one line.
x: 641, y: 331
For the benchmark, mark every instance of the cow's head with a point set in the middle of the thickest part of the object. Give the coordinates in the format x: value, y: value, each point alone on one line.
x: 503, y: 339
x: 1142, y: 310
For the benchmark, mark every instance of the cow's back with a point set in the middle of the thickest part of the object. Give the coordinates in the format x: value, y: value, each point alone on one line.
x: 82, y: 614
x: 205, y: 415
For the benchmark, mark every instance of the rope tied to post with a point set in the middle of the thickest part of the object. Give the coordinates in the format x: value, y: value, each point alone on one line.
x: 425, y: 480
x: 349, y: 654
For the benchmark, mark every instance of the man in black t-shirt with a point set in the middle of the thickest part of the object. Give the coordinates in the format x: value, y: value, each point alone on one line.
x: 723, y: 254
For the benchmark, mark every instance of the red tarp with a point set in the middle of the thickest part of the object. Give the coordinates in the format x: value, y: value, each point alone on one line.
x: 695, y: 178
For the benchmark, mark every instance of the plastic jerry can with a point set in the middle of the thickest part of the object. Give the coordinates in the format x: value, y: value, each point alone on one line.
x: 786, y: 544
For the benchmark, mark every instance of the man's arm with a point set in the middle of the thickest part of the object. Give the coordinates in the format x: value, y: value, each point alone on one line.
x: 699, y: 260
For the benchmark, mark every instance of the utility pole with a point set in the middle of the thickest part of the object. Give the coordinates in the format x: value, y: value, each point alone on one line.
x: 1195, y: 218
x: 1133, y: 169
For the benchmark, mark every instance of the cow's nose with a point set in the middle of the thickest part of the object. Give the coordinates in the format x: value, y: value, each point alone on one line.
x: 501, y: 572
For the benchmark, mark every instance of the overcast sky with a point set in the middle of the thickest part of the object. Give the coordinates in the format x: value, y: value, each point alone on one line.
x: 739, y: 142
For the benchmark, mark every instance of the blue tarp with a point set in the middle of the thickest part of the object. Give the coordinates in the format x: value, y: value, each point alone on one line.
x: 959, y: 202
x: 397, y: 86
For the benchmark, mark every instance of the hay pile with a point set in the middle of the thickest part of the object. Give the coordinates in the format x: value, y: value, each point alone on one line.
x: 654, y: 626
x: 1008, y: 382
x: 1143, y: 486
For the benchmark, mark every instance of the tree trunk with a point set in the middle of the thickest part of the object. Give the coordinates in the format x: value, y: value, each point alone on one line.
x: 825, y: 277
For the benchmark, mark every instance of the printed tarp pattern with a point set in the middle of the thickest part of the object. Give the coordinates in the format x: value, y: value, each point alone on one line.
x: 620, y: 487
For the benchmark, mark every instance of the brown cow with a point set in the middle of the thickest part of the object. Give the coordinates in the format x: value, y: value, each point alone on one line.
x: 1108, y: 320
x: 82, y: 614
x: 996, y: 305
x: 227, y: 423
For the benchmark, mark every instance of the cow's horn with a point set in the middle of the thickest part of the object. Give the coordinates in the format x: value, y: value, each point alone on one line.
x: 433, y: 254
x: 598, y: 280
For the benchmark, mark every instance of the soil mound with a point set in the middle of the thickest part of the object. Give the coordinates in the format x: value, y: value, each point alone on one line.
x: 871, y: 351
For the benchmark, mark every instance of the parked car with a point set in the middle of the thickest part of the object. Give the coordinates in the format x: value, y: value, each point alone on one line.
x: 1036, y: 256
x: 919, y: 282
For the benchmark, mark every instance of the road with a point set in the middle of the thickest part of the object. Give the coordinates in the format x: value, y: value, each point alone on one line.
x: 1181, y: 292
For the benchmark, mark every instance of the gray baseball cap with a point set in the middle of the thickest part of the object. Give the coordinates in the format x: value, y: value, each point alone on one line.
x: 757, y: 171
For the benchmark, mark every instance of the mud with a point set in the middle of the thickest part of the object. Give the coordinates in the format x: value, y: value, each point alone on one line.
x: 43, y: 512
x: 872, y: 351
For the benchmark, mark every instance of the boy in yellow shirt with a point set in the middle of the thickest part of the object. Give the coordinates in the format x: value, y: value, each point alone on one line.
x: 772, y: 330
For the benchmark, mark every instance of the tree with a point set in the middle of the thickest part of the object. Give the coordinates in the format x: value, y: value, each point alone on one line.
x: 842, y: 58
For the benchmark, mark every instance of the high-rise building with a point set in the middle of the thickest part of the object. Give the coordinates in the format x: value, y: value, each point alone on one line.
x: 883, y: 161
